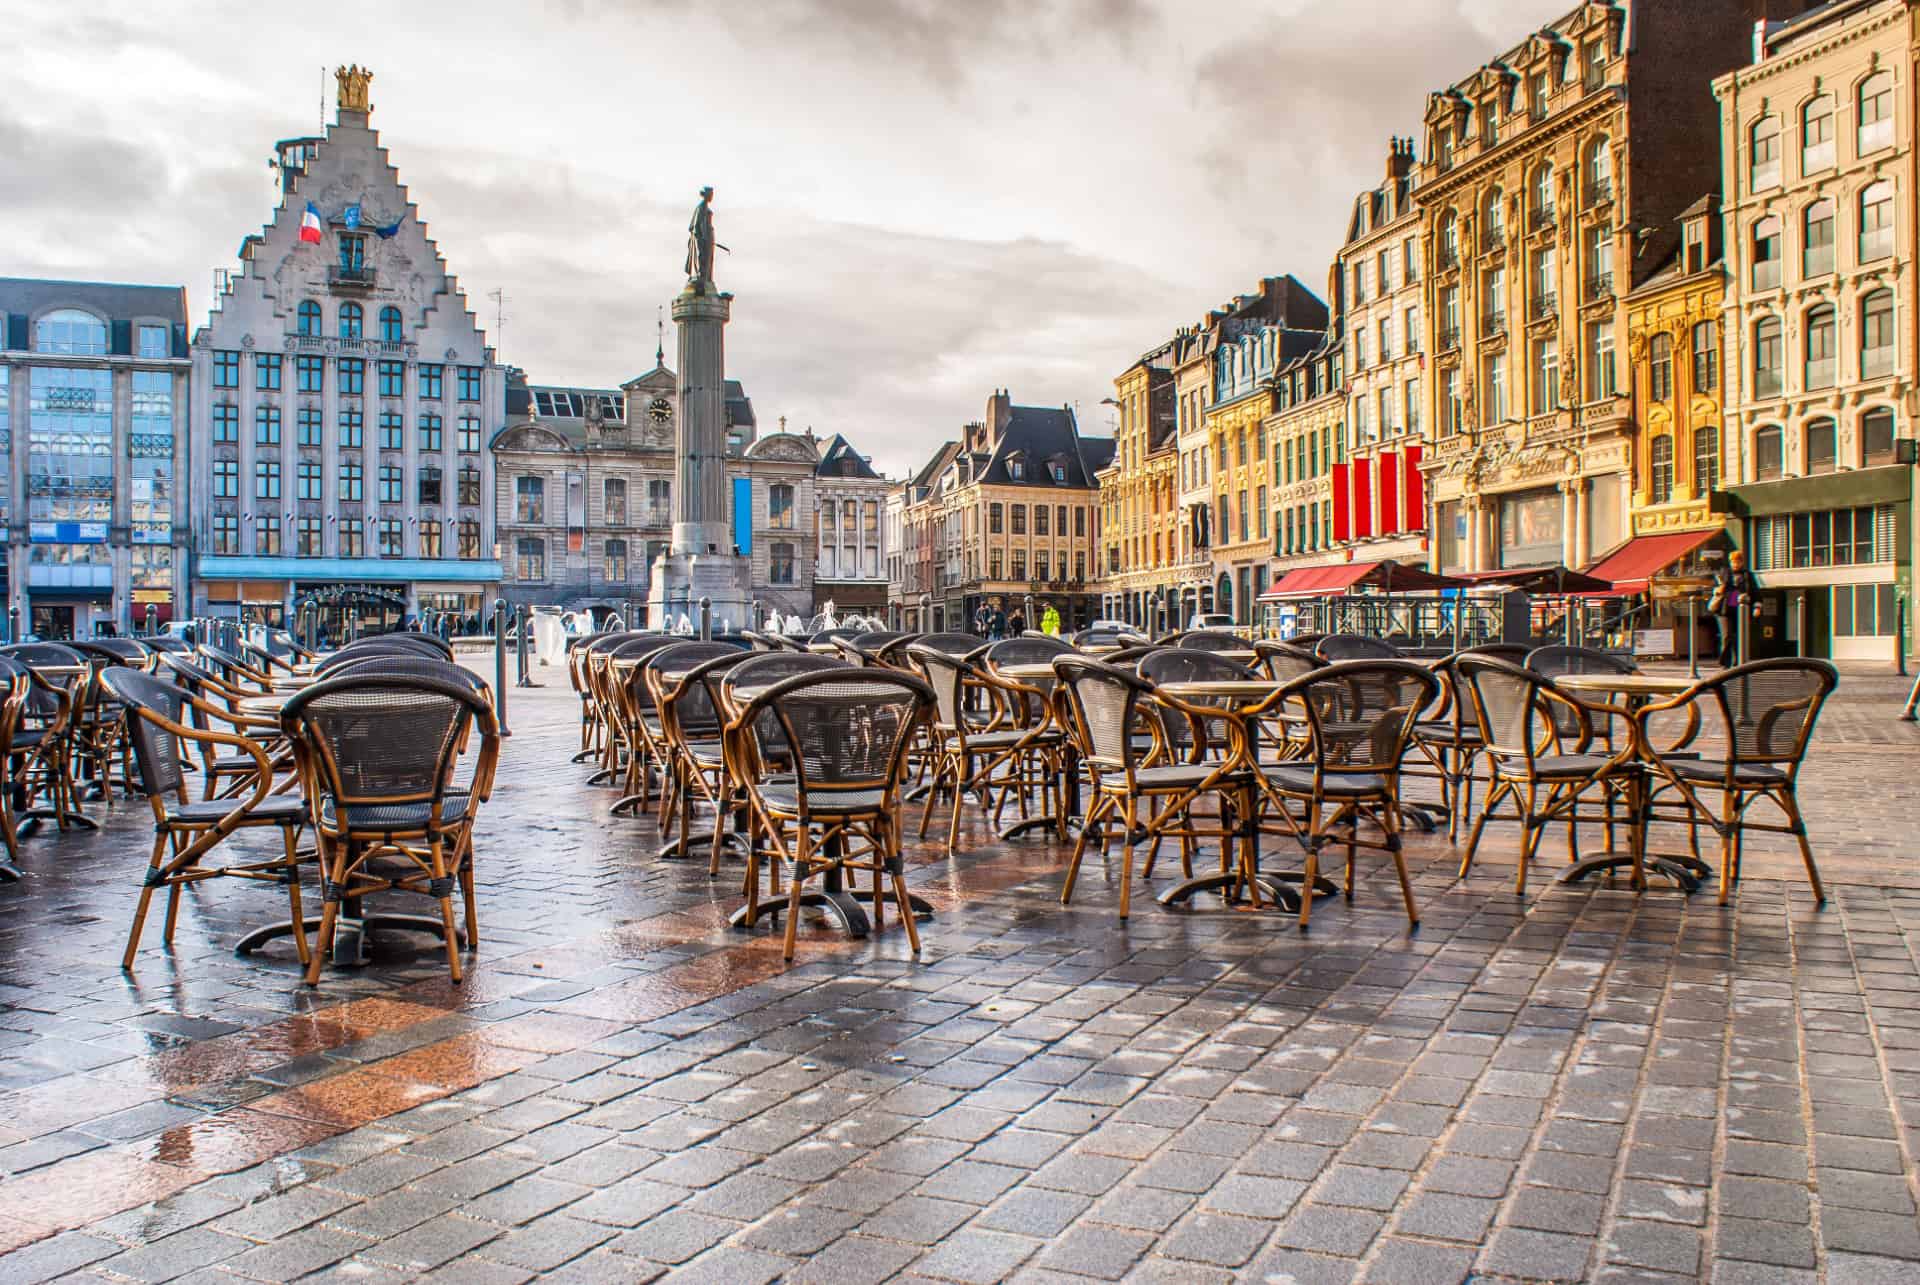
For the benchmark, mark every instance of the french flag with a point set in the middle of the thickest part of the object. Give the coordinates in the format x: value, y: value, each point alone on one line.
x: 310, y: 225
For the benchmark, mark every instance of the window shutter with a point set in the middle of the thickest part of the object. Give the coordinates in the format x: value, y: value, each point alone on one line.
x: 121, y: 344
x: 180, y: 339
x: 17, y: 331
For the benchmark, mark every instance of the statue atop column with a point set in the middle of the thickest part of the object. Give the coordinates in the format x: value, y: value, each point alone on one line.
x: 700, y: 244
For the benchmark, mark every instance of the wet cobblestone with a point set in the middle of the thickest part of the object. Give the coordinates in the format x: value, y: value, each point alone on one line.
x: 1587, y: 1084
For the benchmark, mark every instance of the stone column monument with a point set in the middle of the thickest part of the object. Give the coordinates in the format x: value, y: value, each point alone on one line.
x: 701, y: 561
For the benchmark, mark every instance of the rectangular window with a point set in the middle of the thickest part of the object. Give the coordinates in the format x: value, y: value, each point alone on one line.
x: 1817, y: 254
x: 530, y: 500
x: 353, y: 376
x: 613, y: 501
x: 1706, y: 357
x: 154, y: 342
x: 309, y: 475
x: 1876, y: 335
x: 266, y: 537
x: 226, y: 479
x: 353, y: 540
x: 469, y: 377
x: 352, y: 482
x: 430, y: 486
x: 266, y: 371
x: 392, y: 433
x: 430, y: 434
x: 469, y: 484
x: 1019, y: 519
x: 307, y: 426
x: 393, y: 379
x: 226, y: 423
x: 432, y: 381
x: 1493, y: 382
x: 226, y: 534
x: 266, y: 425
x: 307, y: 536
x: 1600, y: 375
x: 309, y: 373
x: 392, y: 486
x: 266, y: 479
x: 430, y: 532
x: 1546, y: 376
x: 469, y: 535
x: 226, y: 369
x: 469, y: 435
x: 1260, y: 508
x: 1080, y: 521
x: 352, y: 429
x: 1040, y: 519
x: 390, y: 541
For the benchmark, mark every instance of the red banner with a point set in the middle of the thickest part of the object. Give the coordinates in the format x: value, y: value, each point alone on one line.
x: 1389, y: 487
x: 1362, y: 500
x: 1415, y: 498
x: 1342, y: 514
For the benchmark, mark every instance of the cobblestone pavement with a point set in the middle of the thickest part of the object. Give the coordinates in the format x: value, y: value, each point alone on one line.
x: 1582, y: 1085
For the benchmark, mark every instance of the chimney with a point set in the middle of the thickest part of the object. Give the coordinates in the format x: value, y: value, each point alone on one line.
x: 1399, y: 159
x: 999, y: 413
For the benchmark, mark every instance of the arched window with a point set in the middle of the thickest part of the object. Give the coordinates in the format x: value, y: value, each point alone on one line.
x: 72, y: 332
x: 1706, y: 357
x: 1876, y: 222
x: 308, y: 315
x: 1876, y: 335
x: 1599, y: 175
x: 1822, y: 442
x: 1873, y: 129
x: 1541, y: 187
x: 351, y: 320
x: 1766, y: 253
x: 1820, y: 353
x: 1816, y: 240
x: 1816, y: 134
x: 1876, y: 436
x: 1763, y: 154
x: 1706, y: 459
x: 389, y: 325
x: 1493, y: 217
x: 1769, y: 452
x: 1449, y: 239
x: 1767, y: 357
x: 1661, y: 369
x: 1660, y: 469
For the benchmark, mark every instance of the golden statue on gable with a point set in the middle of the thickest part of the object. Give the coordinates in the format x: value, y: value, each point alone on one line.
x: 353, y: 88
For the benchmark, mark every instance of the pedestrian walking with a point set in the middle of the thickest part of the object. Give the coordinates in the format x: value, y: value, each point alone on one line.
x: 1735, y: 598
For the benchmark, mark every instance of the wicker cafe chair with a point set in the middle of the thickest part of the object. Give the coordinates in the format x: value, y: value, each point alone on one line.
x: 100, y: 734
x: 1557, y: 659
x: 1536, y: 741
x: 1194, y: 730
x: 229, y: 772
x: 755, y: 751
x: 376, y: 755
x: 626, y: 758
x: 1110, y: 709
x: 1765, y: 712
x: 1211, y: 640
x: 683, y: 734
x: 44, y: 745
x: 844, y: 734
x: 1360, y: 717
x: 1038, y: 758
x: 864, y: 649
x: 15, y: 685
x: 185, y: 831
x: 964, y: 754
x: 166, y: 643
x: 594, y: 730
x: 1341, y: 647
x: 1285, y: 661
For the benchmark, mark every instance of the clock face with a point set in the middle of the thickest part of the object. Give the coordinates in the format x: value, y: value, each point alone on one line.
x: 659, y: 411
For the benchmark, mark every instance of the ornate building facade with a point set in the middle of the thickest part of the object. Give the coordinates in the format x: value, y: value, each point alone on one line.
x: 1140, y: 514
x: 1819, y: 183
x: 585, y: 498
x: 93, y: 430
x: 1192, y: 393
x: 1554, y: 181
x: 343, y: 399
x: 850, y: 534
x: 1309, y: 432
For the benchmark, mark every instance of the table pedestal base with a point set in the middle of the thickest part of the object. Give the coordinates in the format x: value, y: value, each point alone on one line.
x: 688, y: 844
x: 30, y: 820
x: 1683, y: 870
x: 840, y: 903
x: 349, y: 934
x: 10, y: 873
x: 1283, y: 888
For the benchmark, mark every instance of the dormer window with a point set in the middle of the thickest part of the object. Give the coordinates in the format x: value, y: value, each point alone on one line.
x: 1017, y: 467
x: 1059, y: 470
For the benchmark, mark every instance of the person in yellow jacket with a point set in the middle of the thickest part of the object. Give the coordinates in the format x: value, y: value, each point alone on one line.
x: 1050, y: 621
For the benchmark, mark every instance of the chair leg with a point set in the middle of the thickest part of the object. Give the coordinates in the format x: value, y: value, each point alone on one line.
x: 1102, y: 806
x: 173, y: 899
x: 1310, y: 871
x: 289, y: 836
x: 463, y: 864
x: 962, y: 766
x: 1530, y: 831
x: 146, y: 899
x: 1126, y: 857
x: 797, y: 879
x: 934, y: 774
x: 1729, y: 815
x: 1494, y: 794
x: 1390, y: 822
x: 1791, y: 807
x: 334, y: 871
x: 437, y: 847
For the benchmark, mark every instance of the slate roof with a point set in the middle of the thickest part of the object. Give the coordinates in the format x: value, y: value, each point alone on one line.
x: 1043, y: 434
x: 114, y: 300
x: 833, y: 460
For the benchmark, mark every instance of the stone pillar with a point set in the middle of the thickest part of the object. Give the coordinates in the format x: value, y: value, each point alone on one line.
x: 700, y: 508
x: 1569, y: 523
x: 1582, y: 524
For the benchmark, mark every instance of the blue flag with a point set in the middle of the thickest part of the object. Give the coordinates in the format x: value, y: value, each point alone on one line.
x: 386, y: 233
x: 352, y: 215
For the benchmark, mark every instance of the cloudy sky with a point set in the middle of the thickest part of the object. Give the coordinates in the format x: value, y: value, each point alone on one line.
x: 925, y: 199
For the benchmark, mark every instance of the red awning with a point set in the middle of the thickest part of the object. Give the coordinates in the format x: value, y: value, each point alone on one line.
x: 1345, y: 577
x: 1548, y: 581
x: 1629, y: 567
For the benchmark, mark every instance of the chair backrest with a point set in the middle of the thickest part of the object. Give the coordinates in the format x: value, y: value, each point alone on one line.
x: 1132, y: 655
x: 42, y: 700
x: 16, y: 688
x: 1560, y: 658
x: 947, y: 675
x: 1027, y: 649
x: 846, y: 731
x: 384, y: 645
x: 893, y: 652
x: 1338, y: 647
x: 1514, y: 707
x: 432, y: 642
x: 681, y: 656
x: 1211, y: 640
x: 44, y: 655
x: 1105, y: 700
x: 689, y: 706
x: 1512, y: 653
x: 373, y: 739
x: 1285, y: 661
x: 1190, y: 665
x: 397, y: 665
x: 952, y: 644
x: 1768, y: 708
x: 114, y: 651
x: 166, y: 643
x: 1362, y: 712
x: 156, y: 707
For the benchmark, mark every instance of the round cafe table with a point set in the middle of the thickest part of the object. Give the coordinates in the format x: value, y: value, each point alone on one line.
x: 1635, y: 690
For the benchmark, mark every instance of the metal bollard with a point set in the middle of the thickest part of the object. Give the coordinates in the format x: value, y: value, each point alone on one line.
x: 524, y: 618
x: 1693, y: 637
x: 500, y: 664
x: 706, y: 618
x: 1900, y: 635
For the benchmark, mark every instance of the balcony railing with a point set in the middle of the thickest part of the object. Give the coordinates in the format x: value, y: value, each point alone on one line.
x: 1766, y: 383
x: 1449, y: 339
x: 1599, y: 191
x: 1876, y: 362
x: 1447, y: 257
x: 1542, y: 217
x: 359, y: 277
x: 1600, y: 286
x: 1493, y: 325
x: 1543, y: 307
